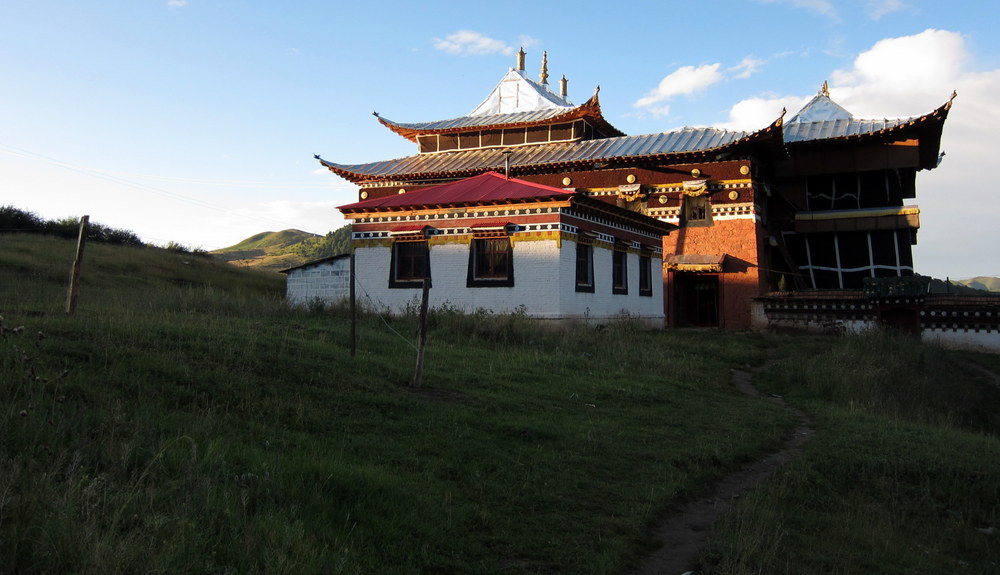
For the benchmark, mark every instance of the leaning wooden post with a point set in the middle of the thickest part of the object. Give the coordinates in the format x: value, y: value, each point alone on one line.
x: 74, y: 277
x: 418, y: 374
x: 354, y: 310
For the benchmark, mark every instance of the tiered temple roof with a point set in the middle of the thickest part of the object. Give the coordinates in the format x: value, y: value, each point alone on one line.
x: 519, y: 103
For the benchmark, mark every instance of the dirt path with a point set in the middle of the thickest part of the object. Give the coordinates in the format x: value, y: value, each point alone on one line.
x: 682, y: 533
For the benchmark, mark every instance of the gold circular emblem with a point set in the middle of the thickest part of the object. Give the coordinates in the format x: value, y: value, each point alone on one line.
x: 364, y: 195
x: 402, y: 190
x: 630, y: 178
x: 695, y: 173
x: 744, y: 170
x: 567, y: 181
x: 663, y: 199
x: 734, y: 195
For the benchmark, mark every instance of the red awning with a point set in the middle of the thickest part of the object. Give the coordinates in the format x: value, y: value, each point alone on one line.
x: 695, y: 262
x: 409, y: 229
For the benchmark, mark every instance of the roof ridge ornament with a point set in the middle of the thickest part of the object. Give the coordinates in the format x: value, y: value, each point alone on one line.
x: 544, y: 76
x: 520, y: 59
x: 825, y: 90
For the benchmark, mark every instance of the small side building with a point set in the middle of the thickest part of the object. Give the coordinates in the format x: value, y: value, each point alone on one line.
x: 508, y: 245
x: 326, y: 280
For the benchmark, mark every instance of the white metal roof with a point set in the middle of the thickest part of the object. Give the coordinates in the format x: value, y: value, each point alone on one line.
x: 518, y: 93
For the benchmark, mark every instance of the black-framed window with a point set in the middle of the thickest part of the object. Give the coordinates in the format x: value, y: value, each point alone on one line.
x: 491, y: 262
x: 410, y: 264
x: 645, y: 275
x: 584, y: 267
x: 619, y: 272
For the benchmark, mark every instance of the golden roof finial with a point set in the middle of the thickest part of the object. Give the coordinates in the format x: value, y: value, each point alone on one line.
x: 825, y: 90
x: 520, y: 59
x: 563, y: 89
x: 545, y: 68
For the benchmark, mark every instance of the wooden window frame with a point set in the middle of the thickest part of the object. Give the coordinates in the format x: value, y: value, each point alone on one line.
x: 697, y: 211
x: 584, y: 267
x: 478, y: 276
x: 619, y: 271
x: 411, y: 278
x: 645, y: 275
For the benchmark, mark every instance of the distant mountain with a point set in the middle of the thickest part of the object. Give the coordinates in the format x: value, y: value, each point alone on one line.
x: 276, y: 251
x: 957, y: 287
x: 985, y: 283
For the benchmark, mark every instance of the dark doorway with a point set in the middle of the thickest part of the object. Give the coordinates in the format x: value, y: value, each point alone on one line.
x: 696, y: 299
x: 905, y: 319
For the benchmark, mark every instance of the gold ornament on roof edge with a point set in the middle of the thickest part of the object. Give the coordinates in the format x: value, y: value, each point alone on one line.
x: 695, y: 173
x: 734, y: 195
x: 364, y: 195
x: 402, y: 190
x: 630, y: 178
x: 663, y: 199
x: 567, y: 181
x: 744, y: 170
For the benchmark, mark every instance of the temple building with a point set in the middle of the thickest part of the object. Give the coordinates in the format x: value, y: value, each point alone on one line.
x: 816, y: 202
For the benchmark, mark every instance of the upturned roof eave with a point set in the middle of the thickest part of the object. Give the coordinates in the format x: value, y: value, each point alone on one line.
x: 769, y: 138
x: 589, y: 110
x: 933, y: 120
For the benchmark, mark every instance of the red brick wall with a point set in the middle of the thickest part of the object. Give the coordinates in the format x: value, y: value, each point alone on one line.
x: 741, y: 279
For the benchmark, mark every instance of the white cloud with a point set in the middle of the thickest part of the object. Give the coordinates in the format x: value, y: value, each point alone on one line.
x: 527, y: 41
x: 821, y: 7
x: 879, y: 8
x: 898, y: 76
x: 746, y: 68
x: 176, y: 3
x: 754, y: 114
x: 469, y: 42
x: 683, y: 81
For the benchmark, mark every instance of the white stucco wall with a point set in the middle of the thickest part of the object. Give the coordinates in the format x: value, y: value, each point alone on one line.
x: 327, y: 281
x: 544, y: 283
x: 969, y: 340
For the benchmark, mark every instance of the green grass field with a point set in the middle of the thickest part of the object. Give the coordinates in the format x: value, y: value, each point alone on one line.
x: 185, y: 420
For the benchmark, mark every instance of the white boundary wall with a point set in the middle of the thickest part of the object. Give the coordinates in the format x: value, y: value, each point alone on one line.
x: 328, y: 281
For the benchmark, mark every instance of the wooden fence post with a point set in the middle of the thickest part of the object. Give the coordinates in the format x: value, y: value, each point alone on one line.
x: 418, y: 374
x: 74, y: 277
x: 354, y: 310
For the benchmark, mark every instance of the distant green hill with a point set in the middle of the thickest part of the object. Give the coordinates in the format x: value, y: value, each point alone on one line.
x: 270, y: 241
x: 275, y: 251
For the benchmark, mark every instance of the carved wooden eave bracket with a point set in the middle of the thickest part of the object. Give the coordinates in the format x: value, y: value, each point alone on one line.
x: 695, y: 188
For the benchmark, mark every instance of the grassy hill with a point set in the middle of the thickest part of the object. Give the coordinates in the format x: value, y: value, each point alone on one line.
x: 949, y: 286
x: 185, y: 420
x: 275, y: 251
x: 985, y: 283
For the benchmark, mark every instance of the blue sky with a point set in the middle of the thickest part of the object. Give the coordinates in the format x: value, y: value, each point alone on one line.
x: 196, y: 121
